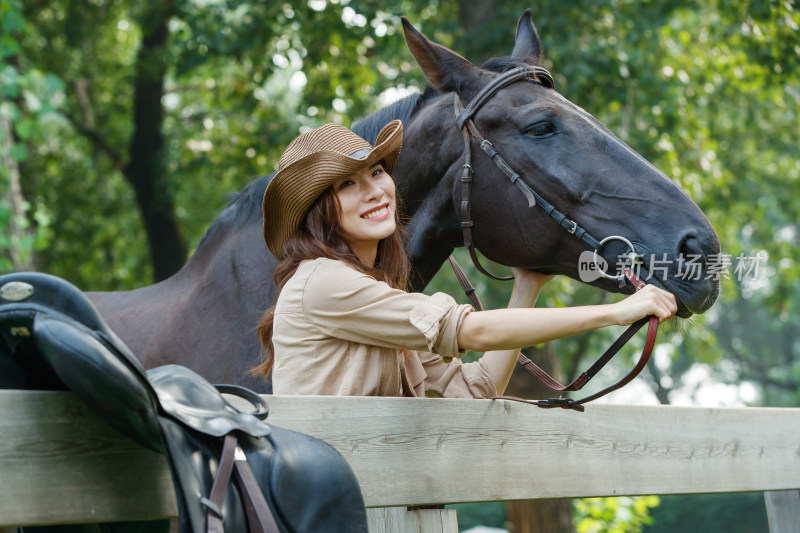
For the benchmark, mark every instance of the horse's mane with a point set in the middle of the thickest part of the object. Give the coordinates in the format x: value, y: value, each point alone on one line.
x: 244, y: 207
x: 369, y: 127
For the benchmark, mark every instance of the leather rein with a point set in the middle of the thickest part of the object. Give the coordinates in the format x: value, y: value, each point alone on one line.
x: 464, y: 122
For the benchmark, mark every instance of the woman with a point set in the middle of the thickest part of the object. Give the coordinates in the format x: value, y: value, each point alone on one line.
x: 343, y: 323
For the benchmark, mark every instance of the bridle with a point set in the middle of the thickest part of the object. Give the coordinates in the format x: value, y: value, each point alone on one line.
x: 464, y: 122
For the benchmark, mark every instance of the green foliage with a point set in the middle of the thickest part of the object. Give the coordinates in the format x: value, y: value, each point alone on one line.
x: 97, y: 240
x: 25, y: 104
x: 614, y: 515
x: 243, y: 79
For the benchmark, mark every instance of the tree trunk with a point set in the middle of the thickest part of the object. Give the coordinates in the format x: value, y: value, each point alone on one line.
x: 474, y: 16
x: 16, y: 232
x: 146, y: 168
x: 20, y: 235
x: 661, y: 392
x: 538, y: 516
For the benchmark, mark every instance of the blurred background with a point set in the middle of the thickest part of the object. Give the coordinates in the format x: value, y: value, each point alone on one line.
x: 125, y: 126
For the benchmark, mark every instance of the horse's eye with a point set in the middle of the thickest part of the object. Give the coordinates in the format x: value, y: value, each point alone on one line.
x: 541, y: 129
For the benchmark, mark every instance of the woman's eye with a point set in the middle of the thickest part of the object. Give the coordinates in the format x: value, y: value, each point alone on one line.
x: 541, y: 129
x: 377, y: 172
x: 345, y: 183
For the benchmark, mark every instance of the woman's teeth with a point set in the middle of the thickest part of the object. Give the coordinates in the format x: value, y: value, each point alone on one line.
x: 377, y: 213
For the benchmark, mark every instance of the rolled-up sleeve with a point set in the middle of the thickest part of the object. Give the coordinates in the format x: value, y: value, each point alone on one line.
x: 344, y: 303
x: 456, y: 379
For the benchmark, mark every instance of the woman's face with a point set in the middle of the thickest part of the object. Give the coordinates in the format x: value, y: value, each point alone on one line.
x: 367, y: 198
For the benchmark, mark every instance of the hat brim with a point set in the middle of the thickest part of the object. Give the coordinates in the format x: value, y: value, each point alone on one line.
x: 294, y: 189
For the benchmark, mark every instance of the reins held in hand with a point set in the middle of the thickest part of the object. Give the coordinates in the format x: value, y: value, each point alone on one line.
x: 585, y: 377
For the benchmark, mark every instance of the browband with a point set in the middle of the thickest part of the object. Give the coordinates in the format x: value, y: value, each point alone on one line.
x: 535, y: 74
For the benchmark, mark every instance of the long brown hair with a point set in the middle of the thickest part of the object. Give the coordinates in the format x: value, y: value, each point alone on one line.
x: 322, y: 235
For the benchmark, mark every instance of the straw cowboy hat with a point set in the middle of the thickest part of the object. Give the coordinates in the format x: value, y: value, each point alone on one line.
x: 310, y: 164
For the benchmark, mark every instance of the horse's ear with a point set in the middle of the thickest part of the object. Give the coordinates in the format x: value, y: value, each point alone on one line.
x: 445, y: 70
x: 527, y: 40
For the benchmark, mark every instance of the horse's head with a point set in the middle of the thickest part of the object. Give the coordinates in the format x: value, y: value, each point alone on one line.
x: 572, y: 161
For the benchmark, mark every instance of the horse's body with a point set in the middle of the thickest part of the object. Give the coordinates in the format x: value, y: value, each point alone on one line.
x: 204, y: 316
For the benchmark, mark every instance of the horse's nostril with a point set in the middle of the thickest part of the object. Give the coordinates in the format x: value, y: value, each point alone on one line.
x: 691, y: 247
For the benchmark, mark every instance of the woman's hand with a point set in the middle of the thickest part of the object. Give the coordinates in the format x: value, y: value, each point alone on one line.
x: 649, y: 301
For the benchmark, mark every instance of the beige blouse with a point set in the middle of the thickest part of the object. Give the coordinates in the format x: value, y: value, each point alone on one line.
x: 340, y: 332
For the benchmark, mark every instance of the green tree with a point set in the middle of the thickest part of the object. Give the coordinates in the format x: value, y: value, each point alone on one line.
x: 175, y: 105
x: 614, y: 515
x: 24, y: 105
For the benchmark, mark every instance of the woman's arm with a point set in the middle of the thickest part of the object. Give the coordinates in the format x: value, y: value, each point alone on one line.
x: 500, y: 363
x: 505, y: 329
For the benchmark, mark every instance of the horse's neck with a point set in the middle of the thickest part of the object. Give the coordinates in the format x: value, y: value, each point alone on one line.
x: 424, y: 175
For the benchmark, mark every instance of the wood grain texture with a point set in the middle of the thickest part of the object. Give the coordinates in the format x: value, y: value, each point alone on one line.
x: 402, y: 520
x: 451, y: 451
x: 59, y: 462
x: 435, y: 521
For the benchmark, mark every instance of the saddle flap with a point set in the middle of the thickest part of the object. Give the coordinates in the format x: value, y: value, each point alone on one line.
x: 99, y: 376
x: 196, y: 403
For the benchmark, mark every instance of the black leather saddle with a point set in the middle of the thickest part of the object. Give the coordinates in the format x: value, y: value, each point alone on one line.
x: 231, y: 470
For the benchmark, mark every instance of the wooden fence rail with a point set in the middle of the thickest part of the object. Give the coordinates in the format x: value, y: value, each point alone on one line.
x: 59, y: 463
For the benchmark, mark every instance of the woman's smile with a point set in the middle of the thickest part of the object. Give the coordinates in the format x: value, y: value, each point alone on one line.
x: 377, y: 214
x: 367, y: 199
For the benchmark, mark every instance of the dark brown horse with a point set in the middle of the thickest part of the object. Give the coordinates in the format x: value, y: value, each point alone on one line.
x: 204, y: 316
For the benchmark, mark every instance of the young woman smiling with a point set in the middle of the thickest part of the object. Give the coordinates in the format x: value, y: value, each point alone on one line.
x: 343, y: 323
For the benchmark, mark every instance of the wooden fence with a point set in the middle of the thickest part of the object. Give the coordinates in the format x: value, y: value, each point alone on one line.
x: 59, y: 463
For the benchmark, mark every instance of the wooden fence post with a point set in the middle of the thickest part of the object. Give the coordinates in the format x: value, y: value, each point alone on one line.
x: 783, y: 510
x: 405, y: 520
